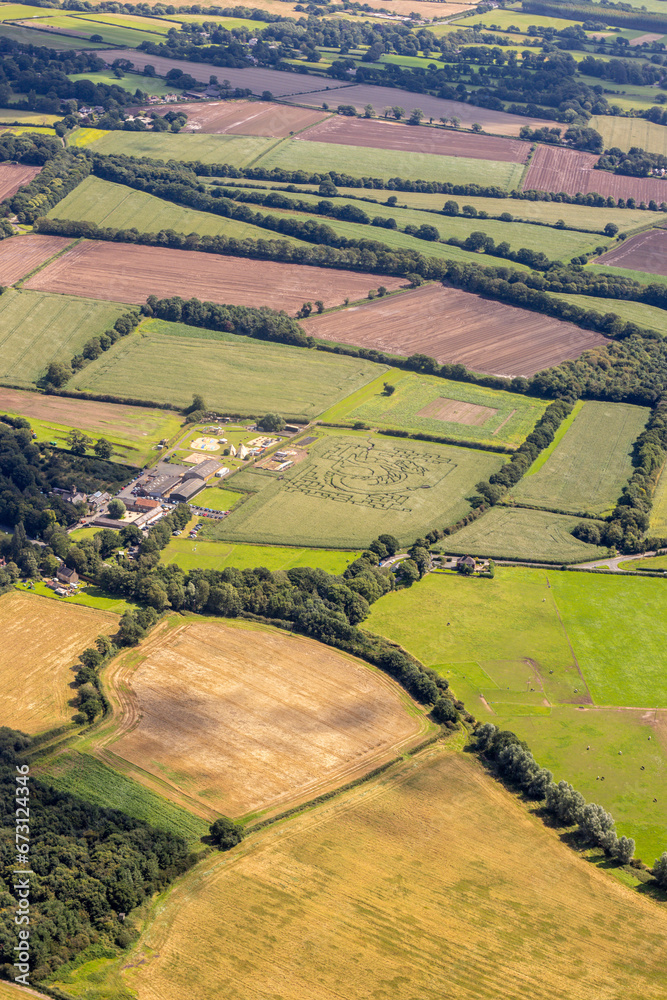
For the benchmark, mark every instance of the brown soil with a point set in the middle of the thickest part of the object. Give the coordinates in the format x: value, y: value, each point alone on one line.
x: 244, y: 117
x: 246, y: 719
x: 19, y: 255
x: 387, y: 135
x: 457, y: 327
x: 646, y: 252
x: 556, y: 169
x: 100, y: 418
x: 13, y: 175
x: 455, y: 412
x: 127, y: 273
x: 650, y: 36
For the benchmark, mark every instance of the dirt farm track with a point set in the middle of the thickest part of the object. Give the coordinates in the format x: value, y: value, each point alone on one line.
x: 127, y: 273
x: 645, y: 252
x: 556, y: 169
x: 460, y: 328
x: 385, y: 135
x: 22, y: 254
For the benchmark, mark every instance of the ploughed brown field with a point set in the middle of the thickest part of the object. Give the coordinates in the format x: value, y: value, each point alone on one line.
x: 386, y: 135
x: 646, y: 252
x: 649, y: 36
x: 20, y: 255
x: 127, y: 273
x: 460, y: 328
x: 244, y: 117
x: 13, y: 175
x: 556, y: 169
x: 380, y: 98
x: 242, y: 719
x: 254, y: 78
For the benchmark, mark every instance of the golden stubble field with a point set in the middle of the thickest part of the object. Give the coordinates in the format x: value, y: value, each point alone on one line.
x: 243, y: 719
x: 41, y: 640
x: 432, y: 882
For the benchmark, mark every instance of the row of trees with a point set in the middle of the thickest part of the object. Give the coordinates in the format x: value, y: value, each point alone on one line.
x: 58, y: 373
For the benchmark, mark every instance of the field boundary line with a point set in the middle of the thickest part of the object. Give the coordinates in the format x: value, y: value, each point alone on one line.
x: 567, y: 637
x: 70, y: 246
x: 265, y: 152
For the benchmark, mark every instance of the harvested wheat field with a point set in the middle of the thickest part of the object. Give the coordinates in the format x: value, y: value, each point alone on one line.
x: 556, y: 169
x: 457, y: 327
x: 408, y: 138
x: 244, y: 117
x: 246, y: 719
x: 13, y: 175
x: 645, y: 252
x: 41, y: 640
x: 19, y: 255
x: 129, y: 273
x: 432, y: 882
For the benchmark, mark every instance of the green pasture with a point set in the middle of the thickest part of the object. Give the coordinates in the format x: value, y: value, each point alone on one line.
x: 627, y: 132
x: 232, y: 373
x: 47, y: 39
x: 115, y: 32
x: 590, y: 466
x: 626, y: 96
x: 108, y: 204
x: 82, y: 774
x: 297, y: 154
x: 18, y: 11
x: 558, y: 437
x: 643, y: 277
x: 37, y: 328
x: 151, y: 25
x: 529, y: 651
x: 237, y: 150
x: 651, y: 317
x: 658, y: 524
x: 154, y: 85
x: 505, y: 19
x: 226, y: 22
x: 649, y: 563
x: 202, y: 554
x: 509, y: 420
x: 217, y: 498
x: 85, y: 136
x: 518, y: 533
x: 353, y: 487
x: 8, y: 115
x: 89, y: 596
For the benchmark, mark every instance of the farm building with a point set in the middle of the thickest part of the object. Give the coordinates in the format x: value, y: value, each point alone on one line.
x: 203, y: 470
x: 222, y: 471
x: 98, y: 498
x: 67, y: 575
x: 187, y: 490
x: 160, y: 486
x: 142, y: 504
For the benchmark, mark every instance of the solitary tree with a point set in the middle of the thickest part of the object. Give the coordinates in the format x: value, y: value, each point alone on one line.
x: 271, y: 422
x: 103, y: 448
x: 196, y: 404
x: 226, y: 834
x: 116, y: 508
x: 610, y: 229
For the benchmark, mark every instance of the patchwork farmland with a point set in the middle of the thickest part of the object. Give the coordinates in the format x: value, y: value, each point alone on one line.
x: 245, y: 118
x: 22, y: 254
x: 646, y: 252
x: 96, y: 269
x: 455, y: 326
x: 556, y: 169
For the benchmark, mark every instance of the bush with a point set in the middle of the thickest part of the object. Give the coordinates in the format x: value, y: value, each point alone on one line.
x: 225, y: 833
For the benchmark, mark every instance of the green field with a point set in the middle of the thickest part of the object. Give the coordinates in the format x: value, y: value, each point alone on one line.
x: 37, y: 328
x: 293, y: 154
x: 107, y: 204
x: 234, y: 374
x: 129, y: 81
x: 85, y: 776
x: 508, y: 420
x: 202, y: 554
x: 533, y: 651
x: 89, y: 596
x: 353, y: 487
x: 47, y: 39
x: 237, y: 150
x: 649, y: 563
x: 643, y: 277
x: 627, y: 132
x: 217, y: 498
x: 588, y: 469
x: 115, y: 29
x: 658, y: 525
x: 651, y: 317
x: 26, y: 117
x: 517, y: 533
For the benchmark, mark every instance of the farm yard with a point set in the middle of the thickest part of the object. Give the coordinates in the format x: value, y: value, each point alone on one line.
x: 13, y: 176
x: 213, y: 709
x: 41, y: 640
x: 105, y: 270
x: 359, y: 878
x: 457, y: 327
x: 233, y: 373
x: 439, y: 406
x: 36, y: 329
x: 645, y: 252
x: 406, y: 138
x: 22, y: 254
x: 556, y: 169
x: 589, y: 467
x: 532, y: 651
x: 353, y: 487
x: 245, y: 118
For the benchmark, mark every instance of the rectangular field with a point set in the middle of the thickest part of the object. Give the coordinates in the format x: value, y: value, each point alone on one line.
x: 13, y: 176
x: 189, y: 554
x: 358, y: 878
x: 244, y: 719
x: 457, y: 327
x: 410, y: 139
x: 556, y: 169
x: 234, y: 374
x: 645, y: 252
x: 237, y: 150
x: 353, y: 487
x: 41, y: 641
x: 499, y: 122
x: 19, y: 255
x: 627, y: 132
x: 516, y: 533
x: 439, y: 406
x: 111, y: 270
x: 36, y: 329
x: 245, y: 118
x: 588, y: 469
x: 658, y: 524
